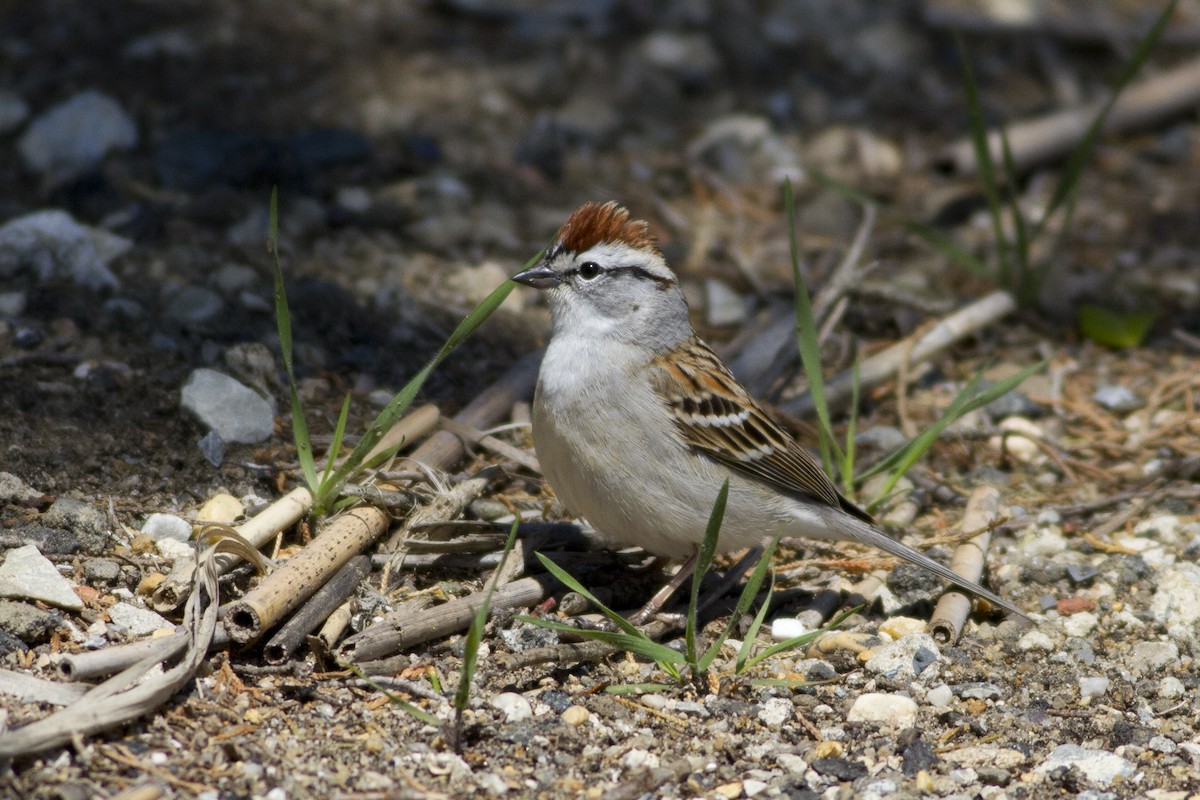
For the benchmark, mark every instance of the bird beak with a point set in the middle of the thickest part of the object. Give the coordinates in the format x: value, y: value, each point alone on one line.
x: 539, y: 277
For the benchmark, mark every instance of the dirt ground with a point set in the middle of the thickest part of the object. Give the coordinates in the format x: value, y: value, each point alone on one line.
x: 423, y: 151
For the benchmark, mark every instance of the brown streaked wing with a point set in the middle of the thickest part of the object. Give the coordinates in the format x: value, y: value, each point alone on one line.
x: 718, y: 417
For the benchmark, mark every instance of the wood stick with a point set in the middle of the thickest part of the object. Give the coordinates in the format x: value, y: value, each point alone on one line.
x: 443, y: 449
x: 922, y: 347
x: 343, y: 538
x: 337, y: 623
x: 1045, y: 138
x: 952, y: 610
x: 443, y: 508
x: 412, y: 426
x: 280, y: 515
x: 501, y: 448
x: 284, y: 644
x: 400, y: 630
x: 96, y: 663
x: 28, y: 689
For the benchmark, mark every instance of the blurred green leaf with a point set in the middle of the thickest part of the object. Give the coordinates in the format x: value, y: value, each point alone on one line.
x: 1113, y: 328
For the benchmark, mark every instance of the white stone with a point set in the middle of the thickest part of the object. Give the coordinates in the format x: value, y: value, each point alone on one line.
x: 1099, y: 766
x: 940, y: 696
x: 786, y: 628
x: 1163, y: 528
x: 26, y: 574
x: 515, y: 707
x: 167, y: 526
x: 906, y: 658
x: 895, y: 709
x: 54, y: 245
x: 638, y: 758
x: 1176, y: 598
x: 1035, y: 640
x: 1094, y: 686
x: 137, y: 622
x: 1080, y: 624
x: 75, y: 135
x: 13, y: 488
x: 1170, y: 687
x: 1148, y: 657
x: 775, y: 711
x: 173, y: 549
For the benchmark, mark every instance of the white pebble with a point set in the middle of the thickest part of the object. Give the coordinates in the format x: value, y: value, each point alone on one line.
x: 896, y: 709
x: 1169, y: 687
x: 1093, y: 687
x: 786, y: 628
x: 940, y: 696
x: 515, y: 707
x: 1035, y: 640
x: 1080, y: 624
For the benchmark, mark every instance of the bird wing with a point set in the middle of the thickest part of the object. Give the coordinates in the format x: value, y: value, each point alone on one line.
x: 717, y: 416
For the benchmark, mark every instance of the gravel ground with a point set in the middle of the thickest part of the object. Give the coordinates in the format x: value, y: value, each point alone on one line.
x: 423, y: 151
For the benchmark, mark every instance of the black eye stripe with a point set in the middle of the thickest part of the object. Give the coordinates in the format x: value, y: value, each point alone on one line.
x: 640, y: 272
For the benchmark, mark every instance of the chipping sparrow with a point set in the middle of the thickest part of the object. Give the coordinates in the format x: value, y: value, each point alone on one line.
x: 637, y: 423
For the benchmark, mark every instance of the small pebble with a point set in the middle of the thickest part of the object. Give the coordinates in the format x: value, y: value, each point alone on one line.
x: 1170, y: 687
x: 895, y: 709
x: 786, y: 628
x: 1035, y: 640
x: 1080, y: 624
x: 904, y: 659
x: 1099, y: 766
x: 1117, y: 399
x: 515, y: 707
x: 575, y: 716
x: 940, y: 696
x: 1093, y: 687
x: 775, y: 711
x: 167, y: 526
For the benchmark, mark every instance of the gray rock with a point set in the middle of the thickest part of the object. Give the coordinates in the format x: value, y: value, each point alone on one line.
x: 1117, y: 399
x: 1148, y: 657
x: 13, y: 111
x: 904, y: 659
x: 137, y: 622
x: 167, y: 526
x: 28, y: 623
x: 231, y: 278
x: 212, y: 447
x: 74, y: 136
x: 26, y: 574
x: 193, y: 306
x: 235, y: 412
x: 15, y: 490
x: 84, y: 521
x: 54, y: 246
x: 980, y: 691
x: 101, y: 570
x: 1100, y: 766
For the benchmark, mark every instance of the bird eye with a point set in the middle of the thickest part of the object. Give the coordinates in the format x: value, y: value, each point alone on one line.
x: 589, y: 270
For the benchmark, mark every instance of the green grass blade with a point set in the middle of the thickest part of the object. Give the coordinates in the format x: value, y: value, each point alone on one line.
x: 475, y: 633
x: 568, y: 580
x: 335, y: 447
x: 806, y: 342
x: 638, y: 644
x: 751, y: 636
x: 984, y: 163
x: 968, y: 399
x: 749, y: 592
x: 283, y: 324
x: 704, y: 557
x: 404, y: 398
x: 847, y: 462
x: 1082, y: 152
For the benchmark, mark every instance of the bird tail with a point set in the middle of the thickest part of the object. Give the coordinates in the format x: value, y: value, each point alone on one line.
x: 856, y: 530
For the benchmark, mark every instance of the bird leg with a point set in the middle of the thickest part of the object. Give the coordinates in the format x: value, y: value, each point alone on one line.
x: 655, y: 603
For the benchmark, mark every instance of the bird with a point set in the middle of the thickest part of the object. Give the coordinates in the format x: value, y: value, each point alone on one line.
x: 638, y: 424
